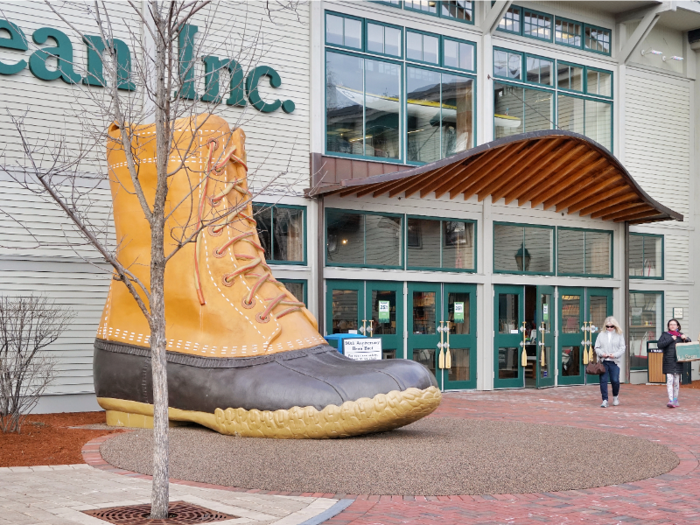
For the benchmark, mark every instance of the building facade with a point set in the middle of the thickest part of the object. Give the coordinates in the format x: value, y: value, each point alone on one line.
x: 493, y: 176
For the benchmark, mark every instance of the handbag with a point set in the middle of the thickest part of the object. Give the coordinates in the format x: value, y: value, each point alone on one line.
x: 596, y: 369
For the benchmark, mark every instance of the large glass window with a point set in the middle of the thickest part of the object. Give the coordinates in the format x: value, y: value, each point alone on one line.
x: 366, y: 96
x: 440, y: 244
x: 537, y: 25
x: 440, y: 116
x: 519, y: 109
x: 343, y: 31
x: 597, y: 39
x: 510, y: 23
x: 567, y: 32
x: 523, y: 249
x: 363, y: 239
x: 281, y: 233
x: 646, y: 256
x: 462, y: 10
x: 584, y: 252
x: 645, y: 323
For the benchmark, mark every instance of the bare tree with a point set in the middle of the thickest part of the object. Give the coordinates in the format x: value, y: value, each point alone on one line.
x: 154, y: 86
x: 27, y: 326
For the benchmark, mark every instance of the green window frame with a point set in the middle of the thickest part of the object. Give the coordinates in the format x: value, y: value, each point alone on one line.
x: 535, y: 59
x: 570, y: 66
x: 409, y: 243
x: 261, y: 206
x: 511, y: 57
x: 643, y: 237
x: 353, y: 20
x: 368, y: 23
x: 602, y: 37
x: 571, y: 28
x: 305, y: 287
x: 329, y: 242
x: 423, y: 35
x: 523, y: 251
x: 589, y: 91
x: 543, y: 23
x: 640, y: 327
x: 584, y: 254
x: 512, y: 21
x: 462, y: 46
x: 441, y: 9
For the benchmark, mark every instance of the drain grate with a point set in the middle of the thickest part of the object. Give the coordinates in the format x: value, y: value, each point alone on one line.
x: 179, y: 513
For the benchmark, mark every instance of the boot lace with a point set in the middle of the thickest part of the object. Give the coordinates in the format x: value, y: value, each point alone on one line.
x: 253, y: 263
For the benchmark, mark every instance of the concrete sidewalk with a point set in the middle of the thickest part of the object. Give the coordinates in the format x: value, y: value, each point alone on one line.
x: 56, y: 495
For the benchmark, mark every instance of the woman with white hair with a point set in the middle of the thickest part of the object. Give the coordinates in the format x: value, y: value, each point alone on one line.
x: 610, y: 347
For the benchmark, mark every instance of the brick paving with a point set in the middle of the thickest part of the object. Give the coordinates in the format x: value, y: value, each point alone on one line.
x: 672, y: 498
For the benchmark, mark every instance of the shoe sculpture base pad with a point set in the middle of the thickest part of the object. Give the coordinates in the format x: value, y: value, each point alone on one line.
x: 381, y: 413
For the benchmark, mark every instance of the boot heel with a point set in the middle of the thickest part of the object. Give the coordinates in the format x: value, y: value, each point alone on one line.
x: 116, y: 418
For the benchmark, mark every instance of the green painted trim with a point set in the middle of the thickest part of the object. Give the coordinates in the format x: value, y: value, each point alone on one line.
x: 598, y: 28
x: 663, y: 316
x: 394, y: 340
x: 508, y: 340
x: 331, y: 284
x: 441, y: 219
x: 16, y: 41
x: 520, y: 24
x: 402, y: 255
x: 63, y: 52
x: 303, y: 282
x: 570, y: 339
x: 431, y: 35
x: 272, y: 208
x: 569, y: 20
x: 551, y: 25
x: 524, y: 225
x: 343, y: 46
x: 365, y: 46
x: 663, y: 248
x: 593, y: 230
x: 462, y: 340
x: 549, y: 338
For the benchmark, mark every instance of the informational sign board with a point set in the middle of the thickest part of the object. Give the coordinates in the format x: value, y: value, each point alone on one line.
x: 384, y: 311
x: 545, y: 312
x: 459, y: 312
x: 688, y: 351
x: 363, y: 349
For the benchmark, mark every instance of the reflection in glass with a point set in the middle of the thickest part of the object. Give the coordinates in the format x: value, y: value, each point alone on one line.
x: 383, y: 39
x: 537, y: 25
x: 424, y: 313
x: 567, y: 33
x: 457, y: 115
x: 597, y: 39
x: 421, y: 5
x: 353, y: 33
x: 645, y: 256
x: 599, y: 83
x: 382, y: 325
x: 345, y: 237
x: 508, y: 363
x: 645, y: 323
x: 507, y: 65
x: 511, y: 20
x: 598, y: 246
x: 539, y: 244
x: 460, y: 365
x: 297, y: 290
x: 508, y: 313
x: 263, y: 217
x: 507, y: 240
x: 458, y: 54
x: 508, y: 109
x: 426, y: 357
x: 344, y: 104
x: 570, y: 246
x: 334, y: 30
x: 546, y: 313
x: 423, y: 106
x: 570, y: 361
x: 570, y: 114
x: 288, y: 224
x: 382, y: 113
x: 539, y: 109
x: 461, y: 325
x: 599, y: 122
x: 383, y: 240
x: 423, y: 241
x: 345, y: 311
x: 539, y: 70
x: 597, y: 311
x: 636, y: 255
x: 458, y: 245
x: 571, y: 314
x: 457, y: 9
x: 569, y: 77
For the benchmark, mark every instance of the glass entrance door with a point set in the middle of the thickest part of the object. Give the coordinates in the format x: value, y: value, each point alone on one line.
x: 441, y: 332
x: 570, y: 347
x: 545, y: 337
x: 344, y: 307
x: 509, y: 315
x: 599, y: 306
x: 384, y: 308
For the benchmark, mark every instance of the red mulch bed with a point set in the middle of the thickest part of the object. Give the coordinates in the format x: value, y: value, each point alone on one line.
x: 46, y: 439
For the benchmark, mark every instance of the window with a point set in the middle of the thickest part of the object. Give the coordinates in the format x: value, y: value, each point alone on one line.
x: 523, y: 249
x: 584, y: 252
x: 422, y: 5
x: 537, y: 25
x: 363, y: 239
x: 343, y: 31
x: 645, y: 323
x: 646, y: 259
x: 440, y: 244
x: 567, y: 32
x: 597, y: 39
x: 282, y: 233
x: 461, y: 10
x: 582, y: 95
x: 379, y: 108
x: 384, y: 40
x: 297, y: 287
x: 440, y: 114
x: 510, y: 23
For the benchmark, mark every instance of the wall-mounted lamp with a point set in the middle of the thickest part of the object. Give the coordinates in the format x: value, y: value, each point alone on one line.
x: 674, y: 57
x: 651, y: 52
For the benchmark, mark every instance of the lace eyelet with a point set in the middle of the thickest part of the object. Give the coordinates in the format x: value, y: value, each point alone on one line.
x: 248, y: 305
x: 213, y: 203
x: 217, y: 254
x: 226, y: 283
x: 262, y: 319
x: 213, y: 232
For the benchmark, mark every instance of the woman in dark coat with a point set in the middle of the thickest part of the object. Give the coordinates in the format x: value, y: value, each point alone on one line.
x: 671, y: 367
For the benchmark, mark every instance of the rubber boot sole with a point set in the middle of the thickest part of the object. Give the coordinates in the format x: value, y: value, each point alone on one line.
x: 381, y: 413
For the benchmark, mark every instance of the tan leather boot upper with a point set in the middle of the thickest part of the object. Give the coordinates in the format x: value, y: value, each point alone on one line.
x: 220, y: 297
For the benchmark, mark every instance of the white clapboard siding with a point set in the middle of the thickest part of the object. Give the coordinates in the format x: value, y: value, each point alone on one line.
x: 677, y: 299
x: 677, y: 257
x: 81, y: 290
x: 657, y: 138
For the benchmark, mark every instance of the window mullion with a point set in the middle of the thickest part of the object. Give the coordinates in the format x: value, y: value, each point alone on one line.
x: 364, y: 106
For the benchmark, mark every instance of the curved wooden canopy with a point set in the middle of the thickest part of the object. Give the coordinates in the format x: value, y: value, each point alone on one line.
x: 555, y: 168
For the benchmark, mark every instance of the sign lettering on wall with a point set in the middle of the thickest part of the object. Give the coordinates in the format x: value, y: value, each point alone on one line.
x: 242, y: 88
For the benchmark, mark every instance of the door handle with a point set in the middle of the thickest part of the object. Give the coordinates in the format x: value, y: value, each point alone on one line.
x: 523, y: 356
x: 371, y: 327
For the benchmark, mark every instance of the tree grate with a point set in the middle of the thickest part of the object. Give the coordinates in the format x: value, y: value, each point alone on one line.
x: 179, y: 513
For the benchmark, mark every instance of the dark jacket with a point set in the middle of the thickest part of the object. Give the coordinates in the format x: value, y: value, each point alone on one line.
x: 668, y: 345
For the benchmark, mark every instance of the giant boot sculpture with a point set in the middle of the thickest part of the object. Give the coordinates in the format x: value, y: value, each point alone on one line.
x: 244, y: 356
